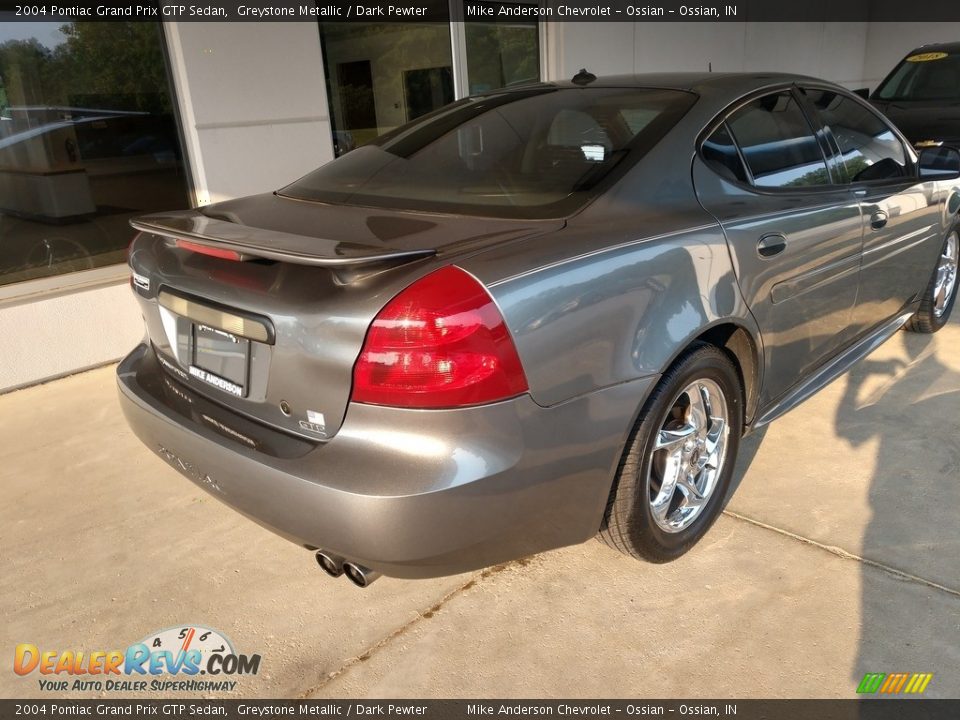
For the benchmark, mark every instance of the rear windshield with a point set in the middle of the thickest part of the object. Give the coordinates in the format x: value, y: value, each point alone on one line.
x: 924, y: 76
x: 540, y: 152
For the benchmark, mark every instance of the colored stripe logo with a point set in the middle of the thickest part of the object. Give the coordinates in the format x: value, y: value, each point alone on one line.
x: 894, y: 683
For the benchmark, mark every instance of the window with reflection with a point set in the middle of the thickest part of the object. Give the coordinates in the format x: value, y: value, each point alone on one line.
x: 777, y: 143
x: 501, y: 54
x: 870, y: 149
x: 721, y: 155
x: 88, y: 139
x: 382, y: 75
x: 527, y: 152
x: 931, y: 76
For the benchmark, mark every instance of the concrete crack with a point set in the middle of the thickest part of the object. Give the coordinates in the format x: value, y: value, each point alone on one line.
x: 403, y: 629
x: 841, y: 553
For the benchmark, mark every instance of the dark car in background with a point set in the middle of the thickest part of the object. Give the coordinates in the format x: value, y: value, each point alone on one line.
x: 922, y: 95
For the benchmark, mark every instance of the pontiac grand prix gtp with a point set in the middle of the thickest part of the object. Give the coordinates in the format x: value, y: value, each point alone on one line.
x: 534, y: 315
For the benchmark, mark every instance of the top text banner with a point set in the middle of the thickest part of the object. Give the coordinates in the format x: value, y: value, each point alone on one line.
x: 485, y: 11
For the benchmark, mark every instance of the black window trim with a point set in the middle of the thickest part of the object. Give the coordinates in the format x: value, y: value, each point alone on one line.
x: 909, y: 153
x: 724, y: 116
x: 829, y: 145
x: 743, y: 160
x: 709, y: 133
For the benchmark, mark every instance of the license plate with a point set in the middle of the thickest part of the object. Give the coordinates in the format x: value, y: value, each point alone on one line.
x: 220, y: 359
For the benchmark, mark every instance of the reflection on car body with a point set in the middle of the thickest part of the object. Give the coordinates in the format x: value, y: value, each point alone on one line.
x: 921, y: 95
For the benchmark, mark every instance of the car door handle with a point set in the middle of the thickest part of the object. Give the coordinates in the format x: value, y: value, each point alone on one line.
x: 771, y: 245
x: 878, y: 219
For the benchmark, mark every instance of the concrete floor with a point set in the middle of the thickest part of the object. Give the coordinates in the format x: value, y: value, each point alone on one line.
x: 838, y: 555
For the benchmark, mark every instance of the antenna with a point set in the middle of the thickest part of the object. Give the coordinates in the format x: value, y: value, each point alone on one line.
x: 583, y: 77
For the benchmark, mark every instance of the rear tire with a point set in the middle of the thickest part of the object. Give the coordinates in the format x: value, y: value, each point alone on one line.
x: 941, y: 293
x: 676, y: 469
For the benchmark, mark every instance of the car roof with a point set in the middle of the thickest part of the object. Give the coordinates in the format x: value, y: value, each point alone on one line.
x: 950, y: 47
x: 688, y: 81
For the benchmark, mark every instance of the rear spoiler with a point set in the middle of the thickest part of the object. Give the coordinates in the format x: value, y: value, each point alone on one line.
x: 270, y: 244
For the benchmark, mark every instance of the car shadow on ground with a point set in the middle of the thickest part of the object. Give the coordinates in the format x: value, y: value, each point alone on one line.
x: 911, y: 410
x: 749, y: 447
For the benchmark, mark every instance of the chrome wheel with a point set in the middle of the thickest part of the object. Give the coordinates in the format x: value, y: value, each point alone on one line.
x: 946, y: 277
x: 688, y: 455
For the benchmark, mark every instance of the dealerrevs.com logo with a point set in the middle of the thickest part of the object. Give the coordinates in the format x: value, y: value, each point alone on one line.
x: 169, y: 660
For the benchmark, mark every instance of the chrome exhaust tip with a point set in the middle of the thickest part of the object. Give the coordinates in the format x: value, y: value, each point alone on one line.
x: 331, y: 564
x: 359, y: 575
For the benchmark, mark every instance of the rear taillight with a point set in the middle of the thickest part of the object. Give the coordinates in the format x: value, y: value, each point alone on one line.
x: 440, y: 343
x: 216, y: 252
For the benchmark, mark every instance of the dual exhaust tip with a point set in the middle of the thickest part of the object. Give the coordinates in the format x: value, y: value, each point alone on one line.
x: 335, y: 566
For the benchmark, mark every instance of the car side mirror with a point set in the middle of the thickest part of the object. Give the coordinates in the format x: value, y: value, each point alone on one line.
x: 939, y: 163
x: 863, y: 92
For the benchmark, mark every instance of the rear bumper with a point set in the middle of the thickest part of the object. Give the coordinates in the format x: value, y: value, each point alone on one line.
x: 409, y: 493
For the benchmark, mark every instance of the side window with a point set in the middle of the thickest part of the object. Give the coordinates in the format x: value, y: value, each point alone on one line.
x: 869, y: 148
x: 778, y: 144
x: 720, y: 153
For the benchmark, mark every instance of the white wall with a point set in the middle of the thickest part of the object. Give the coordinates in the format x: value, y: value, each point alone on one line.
x: 254, y: 104
x: 834, y: 51
x: 57, y: 336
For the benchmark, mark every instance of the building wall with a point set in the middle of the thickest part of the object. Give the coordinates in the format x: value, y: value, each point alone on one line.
x: 254, y: 104
x: 60, y: 335
x: 835, y: 51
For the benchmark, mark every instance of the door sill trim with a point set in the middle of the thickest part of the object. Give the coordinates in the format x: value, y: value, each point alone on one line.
x: 831, y: 370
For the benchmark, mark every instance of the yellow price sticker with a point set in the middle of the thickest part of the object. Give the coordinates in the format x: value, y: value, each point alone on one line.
x: 927, y: 57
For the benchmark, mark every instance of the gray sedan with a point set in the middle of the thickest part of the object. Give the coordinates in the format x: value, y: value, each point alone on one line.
x: 534, y: 315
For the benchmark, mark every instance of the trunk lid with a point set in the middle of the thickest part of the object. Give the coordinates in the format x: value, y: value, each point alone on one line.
x: 274, y: 337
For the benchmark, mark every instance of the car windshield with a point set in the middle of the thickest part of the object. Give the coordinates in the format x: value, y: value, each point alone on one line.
x: 924, y: 76
x: 537, y: 152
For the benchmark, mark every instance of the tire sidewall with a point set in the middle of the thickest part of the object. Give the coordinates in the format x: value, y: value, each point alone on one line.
x: 939, y: 322
x: 712, y: 366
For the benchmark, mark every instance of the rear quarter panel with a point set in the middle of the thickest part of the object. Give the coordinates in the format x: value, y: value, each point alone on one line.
x: 586, y: 318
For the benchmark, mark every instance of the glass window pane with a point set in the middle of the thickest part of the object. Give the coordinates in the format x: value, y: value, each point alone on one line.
x: 382, y: 75
x: 928, y: 76
x: 721, y: 155
x: 87, y: 141
x: 535, y: 152
x: 777, y: 143
x: 870, y: 149
x: 500, y: 55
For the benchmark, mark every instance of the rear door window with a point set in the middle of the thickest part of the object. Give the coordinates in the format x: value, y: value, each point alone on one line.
x: 720, y: 153
x: 869, y: 148
x: 778, y: 144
